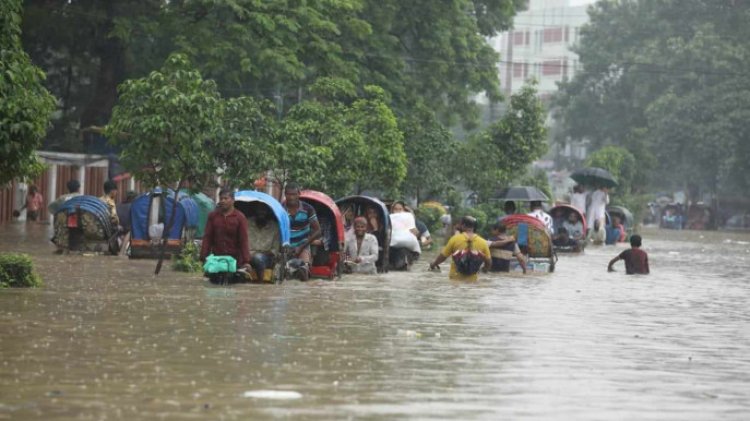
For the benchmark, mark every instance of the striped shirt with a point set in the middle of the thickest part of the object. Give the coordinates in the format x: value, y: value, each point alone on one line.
x: 300, y: 223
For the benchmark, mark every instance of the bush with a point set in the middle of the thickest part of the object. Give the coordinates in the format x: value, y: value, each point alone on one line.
x: 477, y: 213
x: 188, y: 260
x: 493, y: 210
x: 17, y: 271
x: 431, y: 217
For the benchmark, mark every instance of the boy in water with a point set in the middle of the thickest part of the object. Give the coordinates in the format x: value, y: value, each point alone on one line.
x: 636, y: 260
x: 503, y: 248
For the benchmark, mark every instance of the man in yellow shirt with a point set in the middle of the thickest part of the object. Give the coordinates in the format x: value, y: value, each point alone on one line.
x: 465, y: 241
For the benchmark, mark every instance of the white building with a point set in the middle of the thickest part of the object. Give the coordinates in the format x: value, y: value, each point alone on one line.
x: 539, y: 45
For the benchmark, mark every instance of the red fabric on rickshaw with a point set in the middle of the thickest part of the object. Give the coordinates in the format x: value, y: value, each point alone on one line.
x: 523, y: 219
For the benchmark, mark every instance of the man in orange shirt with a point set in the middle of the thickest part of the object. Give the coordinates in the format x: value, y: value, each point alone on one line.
x: 33, y: 205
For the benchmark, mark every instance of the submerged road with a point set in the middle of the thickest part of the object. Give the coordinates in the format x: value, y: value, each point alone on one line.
x: 105, y: 339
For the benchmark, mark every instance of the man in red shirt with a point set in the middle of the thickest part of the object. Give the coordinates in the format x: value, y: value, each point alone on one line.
x: 226, y: 232
x: 636, y: 260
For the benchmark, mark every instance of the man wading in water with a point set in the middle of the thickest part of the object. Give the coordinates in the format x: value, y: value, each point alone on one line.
x: 226, y: 234
x: 305, y: 230
x: 465, y: 247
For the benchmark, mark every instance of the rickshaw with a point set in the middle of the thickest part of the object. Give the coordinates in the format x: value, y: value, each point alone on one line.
x: 534, y: 241
x: 151, y: 212
x: 565, y: 210
x: 82, y: 223
x: 404, y: 248
x: 246, y: 201
x: 358, y: 206
x: 700, y: 217
x: 328, y: 257
x: 205, y: 206
x: 672, y: 217
x: 626, y: 218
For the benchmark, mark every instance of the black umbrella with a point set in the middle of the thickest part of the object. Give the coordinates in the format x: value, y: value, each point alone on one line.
x: 593, y: 176
x: 522, y: 194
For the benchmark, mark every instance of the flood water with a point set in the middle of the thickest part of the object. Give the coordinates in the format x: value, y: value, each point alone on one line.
x: 105, y: 339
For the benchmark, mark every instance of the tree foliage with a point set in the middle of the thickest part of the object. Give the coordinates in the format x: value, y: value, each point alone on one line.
x: 81, y: 46
x: 666, y: 81
x: 25, y: 105
x: 419, y: 52
x: 241, y: 144
x: 341, y: 95
x: 163, y: 122
x: 620, y: 163
x: 336, y: 142
x: 492, y: 158
x: 174, y: 125
x: 431, y: 150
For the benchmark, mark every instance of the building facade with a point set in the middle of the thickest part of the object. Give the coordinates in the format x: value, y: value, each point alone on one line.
x: 540, y: 46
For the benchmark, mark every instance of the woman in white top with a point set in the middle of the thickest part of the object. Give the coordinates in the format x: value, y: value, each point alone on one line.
x: 404, y: 231
x: 578, y: 198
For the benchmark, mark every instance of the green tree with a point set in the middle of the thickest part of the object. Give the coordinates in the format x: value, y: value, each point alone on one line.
x: 272, y: 49
x: 492, y: 158
x: 242, y: 145
x: 338, y: 141
x: 384, y: 161
x: 431, y: 149
x: 419, y: 52
x: 163, y: 123
x: 26, y: 105
x: 436, y: 53
x: 620, y: 163
x: 663, y: 80
x: 86, y: 53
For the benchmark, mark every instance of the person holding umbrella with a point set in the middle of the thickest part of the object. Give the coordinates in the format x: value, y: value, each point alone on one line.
x: 596, y: 214
x: 578, y: 198
x: 602, y: 180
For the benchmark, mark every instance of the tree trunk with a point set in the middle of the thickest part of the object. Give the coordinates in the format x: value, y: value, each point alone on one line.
x: 111, y: 54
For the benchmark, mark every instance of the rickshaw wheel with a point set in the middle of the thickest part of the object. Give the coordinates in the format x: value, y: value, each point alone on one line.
x: 112, y: 245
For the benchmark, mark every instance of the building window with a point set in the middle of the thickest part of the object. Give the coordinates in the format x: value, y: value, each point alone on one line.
x: 518, y: 38
x: 518, y: 69
x: 551, y: 67
x: 552, y: 35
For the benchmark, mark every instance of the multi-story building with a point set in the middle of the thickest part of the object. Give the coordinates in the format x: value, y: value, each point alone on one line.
x: 539, y: 45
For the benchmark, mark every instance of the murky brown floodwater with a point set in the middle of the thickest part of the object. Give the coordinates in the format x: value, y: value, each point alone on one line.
x: 105, y: 339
